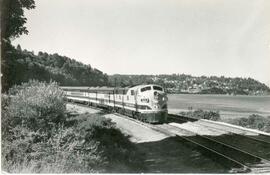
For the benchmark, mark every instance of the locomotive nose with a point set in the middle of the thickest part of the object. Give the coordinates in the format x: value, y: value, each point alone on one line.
x: 159, y: 100
x: 159, y: 96
x: 156, y: 95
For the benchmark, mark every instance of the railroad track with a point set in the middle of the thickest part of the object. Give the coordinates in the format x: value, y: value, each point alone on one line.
x: 258, y: 136
x: 230, y: 149
x: 252, y: 135
x: 191, y: 140
x: 249, y: 151
x: 254, y: 143
x: 238, y: 160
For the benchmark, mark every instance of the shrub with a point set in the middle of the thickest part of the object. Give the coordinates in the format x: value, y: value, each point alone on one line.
x: 254, y: 121
x: 29, y: 112
x: 201, y: 114
x: 36, y: 105
x: 5, y: 120
x: 66, y: 151
x: 118, y: 153
x: 38, y: 136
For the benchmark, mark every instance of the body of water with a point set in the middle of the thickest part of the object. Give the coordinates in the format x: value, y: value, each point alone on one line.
x: 229, y: 106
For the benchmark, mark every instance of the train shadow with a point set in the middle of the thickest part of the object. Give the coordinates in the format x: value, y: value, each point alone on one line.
x: 179, y: 155
x: 172, y: 155
x: 180, y: 119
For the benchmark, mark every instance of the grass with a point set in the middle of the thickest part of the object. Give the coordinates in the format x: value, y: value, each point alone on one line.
x: 39, y: 136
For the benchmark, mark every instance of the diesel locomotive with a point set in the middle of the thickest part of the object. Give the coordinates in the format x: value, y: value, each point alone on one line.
x: 147, y: 103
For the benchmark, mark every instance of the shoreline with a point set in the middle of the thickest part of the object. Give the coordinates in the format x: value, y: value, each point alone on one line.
x: 224, y: 115
x: 224, y: 95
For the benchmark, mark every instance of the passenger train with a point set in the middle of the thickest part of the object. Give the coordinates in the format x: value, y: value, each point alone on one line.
x: 147, y: 103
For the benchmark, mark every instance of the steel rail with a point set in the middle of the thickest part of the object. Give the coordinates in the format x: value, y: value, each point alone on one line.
x: 264, y: 158
x: 237, y: 164
x: 266, y: 138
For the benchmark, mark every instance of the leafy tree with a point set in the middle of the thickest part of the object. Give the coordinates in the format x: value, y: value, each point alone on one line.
x: 19, y: 48
x: 13, y: 19
x: 12, y: 26
x: 25, y: 65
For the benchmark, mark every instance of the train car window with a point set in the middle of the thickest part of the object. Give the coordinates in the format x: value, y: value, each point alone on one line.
x: 147, y: 88
x: 132, y: 92
x: 157, y: 88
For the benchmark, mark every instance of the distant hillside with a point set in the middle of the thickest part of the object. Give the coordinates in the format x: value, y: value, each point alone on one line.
x: 25, y: 65
x: 182, y: 83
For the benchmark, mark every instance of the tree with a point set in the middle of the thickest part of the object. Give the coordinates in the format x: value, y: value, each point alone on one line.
x: 13, y: 19
x: 12, y: 26
x: 19, y: 47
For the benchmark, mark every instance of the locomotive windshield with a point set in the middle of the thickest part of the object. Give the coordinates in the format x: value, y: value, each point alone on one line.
x: 147, y: 88
x: 157, y: 88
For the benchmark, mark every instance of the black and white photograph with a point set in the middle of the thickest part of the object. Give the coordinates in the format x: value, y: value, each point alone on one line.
x: 135, y: 86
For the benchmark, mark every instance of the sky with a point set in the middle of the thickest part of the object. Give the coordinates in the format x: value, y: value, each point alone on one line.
x: 199, y: 37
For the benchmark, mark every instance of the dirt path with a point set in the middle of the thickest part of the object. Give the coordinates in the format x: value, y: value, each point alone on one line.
x: 138, y: 133
x: 80, y: 109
